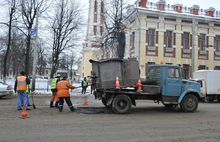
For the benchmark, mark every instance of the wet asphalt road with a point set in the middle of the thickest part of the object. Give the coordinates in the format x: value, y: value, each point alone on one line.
x: 146, y: 122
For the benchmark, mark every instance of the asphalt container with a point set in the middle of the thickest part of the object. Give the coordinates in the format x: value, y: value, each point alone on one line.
x: 105, y: 72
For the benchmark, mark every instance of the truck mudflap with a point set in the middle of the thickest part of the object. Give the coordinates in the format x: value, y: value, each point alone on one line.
x: 188, y: 91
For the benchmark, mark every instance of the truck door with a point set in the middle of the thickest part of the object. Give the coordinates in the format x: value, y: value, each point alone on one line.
x: 173, y: 82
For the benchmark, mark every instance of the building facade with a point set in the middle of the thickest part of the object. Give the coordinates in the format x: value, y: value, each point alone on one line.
x: 95, y: 30
x: 161, y: 32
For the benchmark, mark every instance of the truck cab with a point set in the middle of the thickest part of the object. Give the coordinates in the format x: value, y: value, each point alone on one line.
x: 173, y: 87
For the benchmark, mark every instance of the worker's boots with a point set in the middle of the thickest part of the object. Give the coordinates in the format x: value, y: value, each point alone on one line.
x: 60, y: 108
x: 56, y: 105
x: 51, y: 105
x: 72, y: 108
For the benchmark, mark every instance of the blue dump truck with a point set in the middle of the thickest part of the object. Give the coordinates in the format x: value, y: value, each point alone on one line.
x: 163, y: 83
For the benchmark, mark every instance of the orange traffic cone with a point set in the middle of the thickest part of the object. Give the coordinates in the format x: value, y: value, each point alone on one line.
x: 85, y: 102
x: 24, y: 113
x: 117, y: 86
x: 139, y: 86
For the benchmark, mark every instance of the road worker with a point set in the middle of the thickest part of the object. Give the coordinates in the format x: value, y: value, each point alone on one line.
x: 84, y: 85
x: 63, y: 93
x: 54, y: 91
x: 121, y: 43
x: 27, y: 92
x: 21, y: 87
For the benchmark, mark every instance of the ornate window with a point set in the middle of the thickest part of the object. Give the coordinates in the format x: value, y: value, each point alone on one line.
x: 185, y: 40
x: 202, y: 42
x: 151, y: 37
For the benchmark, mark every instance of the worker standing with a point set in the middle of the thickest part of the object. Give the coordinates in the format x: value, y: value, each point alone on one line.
x: 54, y: 91
x: 84, y: 85
x: 121, y: 43
x: 63, y: 93
x: 21, y: 87
x: 91, y: 85
x: 28, y: 91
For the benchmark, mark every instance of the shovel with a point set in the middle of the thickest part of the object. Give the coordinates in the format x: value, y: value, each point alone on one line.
x: 33, y: 100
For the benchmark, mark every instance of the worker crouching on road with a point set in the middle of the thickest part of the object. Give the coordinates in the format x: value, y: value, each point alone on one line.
x: 63, y: 93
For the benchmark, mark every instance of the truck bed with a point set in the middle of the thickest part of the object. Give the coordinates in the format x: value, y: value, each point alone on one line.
x: 131, y: 93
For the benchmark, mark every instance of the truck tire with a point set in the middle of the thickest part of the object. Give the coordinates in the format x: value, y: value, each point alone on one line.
x: 121, y: 104
x: 189, y: 103
x: 104, y: 102
x: 218, y: 97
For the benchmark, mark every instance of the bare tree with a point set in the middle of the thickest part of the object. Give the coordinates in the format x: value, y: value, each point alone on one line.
x: 65, y: 22
x: 42, y: 62
x: 29, y: 10
x: 13, y: 6
x: 113, y: 17
x: 16, y: 52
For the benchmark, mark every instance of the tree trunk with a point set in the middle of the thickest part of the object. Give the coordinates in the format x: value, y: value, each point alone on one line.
x: 8, y: 46
x: 27, y: 55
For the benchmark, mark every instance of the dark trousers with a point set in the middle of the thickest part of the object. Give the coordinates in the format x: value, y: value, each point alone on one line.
x: 121, y: 51
x: 68, y: 101
x: 84, y: 89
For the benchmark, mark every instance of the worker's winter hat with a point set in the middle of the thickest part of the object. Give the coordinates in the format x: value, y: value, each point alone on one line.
x: 22, y: 72
x: 58, y: 75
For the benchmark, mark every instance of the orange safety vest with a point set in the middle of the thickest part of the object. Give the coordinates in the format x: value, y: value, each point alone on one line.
x: 21, y: 83
x: 63, y: 88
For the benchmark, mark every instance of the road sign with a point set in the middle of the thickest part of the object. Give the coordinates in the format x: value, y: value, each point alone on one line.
x: 31, y: 32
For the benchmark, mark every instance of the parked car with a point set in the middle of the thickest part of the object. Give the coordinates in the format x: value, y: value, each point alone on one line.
x: 5, y: 89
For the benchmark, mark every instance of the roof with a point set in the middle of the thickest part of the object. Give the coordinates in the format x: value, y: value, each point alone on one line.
x: 163, y: 65
x: 170, y: 12
x: 106, y: 60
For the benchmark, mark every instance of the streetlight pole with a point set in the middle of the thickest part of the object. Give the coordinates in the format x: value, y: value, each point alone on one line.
x: 35, y: 54
x: 193, y: 49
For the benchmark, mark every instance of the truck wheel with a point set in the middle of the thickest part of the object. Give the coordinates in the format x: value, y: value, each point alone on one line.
x: 121, y: 104
x: 104, y: 101
x: 189, y: 103
x: 218, y: 97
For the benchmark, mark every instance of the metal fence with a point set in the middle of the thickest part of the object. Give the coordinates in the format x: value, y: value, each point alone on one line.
x: 40, y: 84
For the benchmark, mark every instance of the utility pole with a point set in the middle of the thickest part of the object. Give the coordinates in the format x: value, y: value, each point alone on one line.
x: 193, y: 48
x: 35, y: 55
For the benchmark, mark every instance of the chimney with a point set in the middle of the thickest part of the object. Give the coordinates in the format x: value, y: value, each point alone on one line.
x: 210, y: 12
x: 178, y: 8
x: 161, y: 5
x: 194, y: 10
x: 142, y: 3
